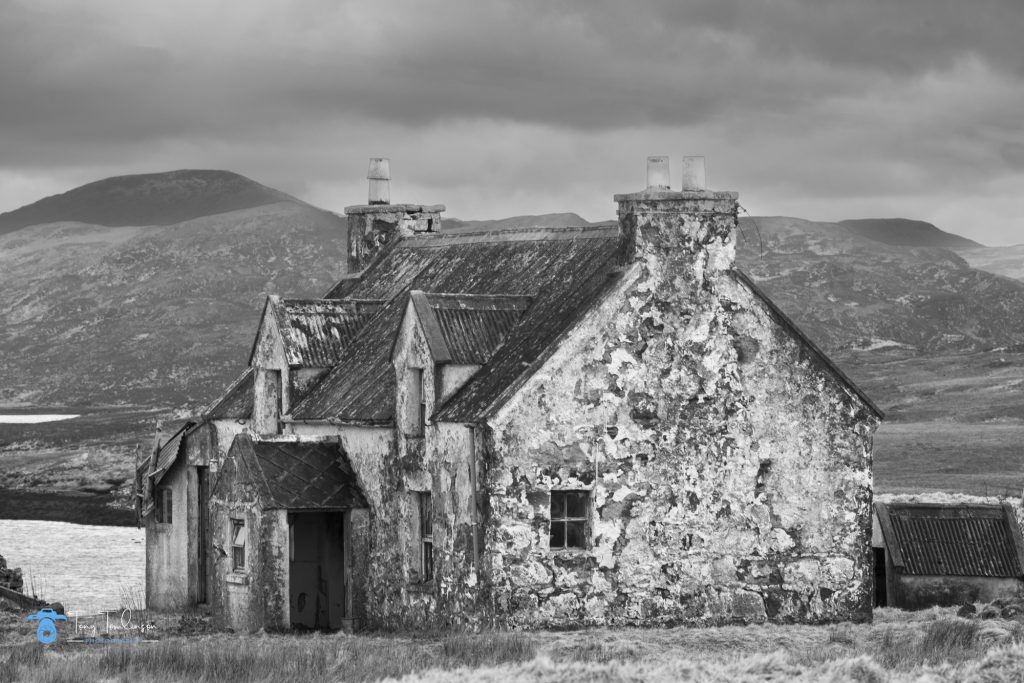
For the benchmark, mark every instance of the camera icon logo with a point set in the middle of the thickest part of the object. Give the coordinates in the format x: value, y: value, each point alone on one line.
x: 46, y: 631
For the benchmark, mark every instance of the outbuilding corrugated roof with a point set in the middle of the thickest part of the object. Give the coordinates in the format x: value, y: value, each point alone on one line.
x: 296, y: 475
x: 952, y: 540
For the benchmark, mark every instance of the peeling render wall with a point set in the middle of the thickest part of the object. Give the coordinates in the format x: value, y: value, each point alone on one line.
x: 257, y: 597
x: 167, y: 547
x: 269, y: 355
x: 391, y: 466
x: 225, y: 433
x: 453, y: 377
x: 729, y: 474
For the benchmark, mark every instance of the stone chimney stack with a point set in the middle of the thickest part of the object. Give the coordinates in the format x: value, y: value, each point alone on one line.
x: 377, y: 223
x: 694, y: 227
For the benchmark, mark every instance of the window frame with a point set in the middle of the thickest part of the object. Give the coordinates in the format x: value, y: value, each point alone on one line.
x: 426, y: 536
x: 566, y: 519
x: 236, y: 523
x: 417, y: 408
x: 165, y: 505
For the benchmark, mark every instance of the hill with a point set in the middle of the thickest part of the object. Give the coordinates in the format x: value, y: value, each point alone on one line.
x: 1006, y: 261
x: 152, y: 317
x: 550, y: 220
x: 906, y: 232
x: 147, y: 199
x: 851, y: 292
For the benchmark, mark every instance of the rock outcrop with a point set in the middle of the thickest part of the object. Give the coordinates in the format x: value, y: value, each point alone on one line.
x: 10, y: 578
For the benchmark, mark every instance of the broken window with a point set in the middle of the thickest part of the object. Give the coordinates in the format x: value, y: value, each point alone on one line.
x: 426, y: 536
x: 569, y: 519
x: 417, y: 402
x: 164, y: 504
x: 421, y: 537
x: 238, y: 539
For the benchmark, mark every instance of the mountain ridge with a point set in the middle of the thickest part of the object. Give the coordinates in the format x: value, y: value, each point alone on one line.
x: 163, y: 198
x: 907, y: 232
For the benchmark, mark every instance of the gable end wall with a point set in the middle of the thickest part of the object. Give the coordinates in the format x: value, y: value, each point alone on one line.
x: 669, y: 402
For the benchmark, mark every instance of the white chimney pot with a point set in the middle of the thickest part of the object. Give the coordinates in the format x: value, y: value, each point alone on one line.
x: 694, y: 174
x: 658, y: 176
x: 379, y: 176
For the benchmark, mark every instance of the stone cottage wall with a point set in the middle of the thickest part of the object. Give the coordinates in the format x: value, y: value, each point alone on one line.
x: 168, y: 567
x: 729, y: 472
x: 253, y: 599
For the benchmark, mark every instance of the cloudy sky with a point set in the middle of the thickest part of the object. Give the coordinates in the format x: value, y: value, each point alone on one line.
x: 823, y: 109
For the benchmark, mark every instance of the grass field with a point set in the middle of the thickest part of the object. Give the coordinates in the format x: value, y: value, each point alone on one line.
x: 932, y: 645
x: 979, y: 459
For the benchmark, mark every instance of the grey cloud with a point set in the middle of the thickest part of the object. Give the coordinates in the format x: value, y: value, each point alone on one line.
x: 833, y: 85
x: 587, y: 65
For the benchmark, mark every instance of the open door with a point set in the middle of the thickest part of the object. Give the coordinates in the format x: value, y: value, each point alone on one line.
x: 316, y: 570
x: 203, y: 485
x: 881, y: 599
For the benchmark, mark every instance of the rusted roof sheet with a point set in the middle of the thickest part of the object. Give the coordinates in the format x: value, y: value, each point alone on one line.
x: 952, y: 540
x: 236, y: 402
x: 560, y: 269
x: 168, y: 452
x: 467, y: 328
x: 316, y: 331
x: 296, y: 475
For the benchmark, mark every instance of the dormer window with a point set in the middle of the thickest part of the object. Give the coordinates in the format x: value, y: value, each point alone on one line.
x: 417, y: 402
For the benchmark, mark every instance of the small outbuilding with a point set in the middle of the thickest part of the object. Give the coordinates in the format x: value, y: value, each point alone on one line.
x: 929, y: 554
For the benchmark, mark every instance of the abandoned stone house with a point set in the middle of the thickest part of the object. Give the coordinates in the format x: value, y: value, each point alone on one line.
x: 526, y: 428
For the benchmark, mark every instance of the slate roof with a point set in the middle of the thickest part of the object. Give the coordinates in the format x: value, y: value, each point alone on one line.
x: 316, y: 331
x: 236, y: 402
x: 467, y: 329
x: 296, y: 475
x: 952, y: 540
x: 561, y: 270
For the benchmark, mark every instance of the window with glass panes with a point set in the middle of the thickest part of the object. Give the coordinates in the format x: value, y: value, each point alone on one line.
x: 569, y: 519
x: 164, y: 505
x: 238, y: 539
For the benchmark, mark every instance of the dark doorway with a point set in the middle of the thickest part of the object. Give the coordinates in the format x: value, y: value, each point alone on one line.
x: 203, y: 521
x: 316, y: 570
x: 881, y: 599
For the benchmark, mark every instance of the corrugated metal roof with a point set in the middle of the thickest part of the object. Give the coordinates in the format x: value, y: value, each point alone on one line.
x: 952, y: 540
x: 168, y: 453
x: 316, y: 331
x: 557, y: 268
x: 296, y: 475
x: 469, y: 327
x: 236, y: 402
